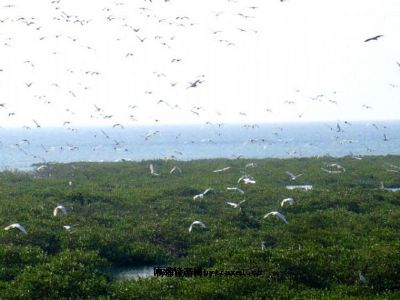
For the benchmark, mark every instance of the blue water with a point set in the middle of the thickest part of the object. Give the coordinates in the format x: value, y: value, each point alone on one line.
x: 195, y: 142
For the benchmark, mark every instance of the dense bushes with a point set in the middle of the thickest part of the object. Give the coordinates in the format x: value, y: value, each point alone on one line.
x: 120, y: 215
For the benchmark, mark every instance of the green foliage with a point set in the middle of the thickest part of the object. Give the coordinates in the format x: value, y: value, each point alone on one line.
x: 122, y: 216
x: 71, y: 274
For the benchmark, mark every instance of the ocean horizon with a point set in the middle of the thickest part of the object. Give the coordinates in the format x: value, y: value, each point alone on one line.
x: 22, y: 148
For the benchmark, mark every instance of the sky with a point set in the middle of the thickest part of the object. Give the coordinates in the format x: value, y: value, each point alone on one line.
x: 98, y: 62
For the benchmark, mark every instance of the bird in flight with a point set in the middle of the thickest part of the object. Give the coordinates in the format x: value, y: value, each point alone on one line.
x: 236, y: 205
x: 152, y: 172
x: 201, y: 195
x: 385, y: 139
x: 246, y: 179
x: 235, y: 189
x: 175, y: 168
x: 221, y: 170
x: 194, y: 84
x: 292, y: 176
x: 17, y: 226
x: 278, y: 215
x: 37, y: 124
x: 58, y: 209
x: 196, y: 223
x: 287, y: 200
x: 375, y: 38
x: 141, y: 39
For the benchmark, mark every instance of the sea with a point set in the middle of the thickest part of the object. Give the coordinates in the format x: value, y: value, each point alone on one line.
x: 21, y: 149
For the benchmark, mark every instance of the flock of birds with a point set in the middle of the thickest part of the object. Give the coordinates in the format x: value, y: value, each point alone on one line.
x: 83, y: 83
x: 244, y: 179
x: 80, y: 82
x: 56, y: 211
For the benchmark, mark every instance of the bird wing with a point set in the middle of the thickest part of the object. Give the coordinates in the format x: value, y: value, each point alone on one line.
x: 196, y: 223
x: 282, y: 217
x: 198, y: 196
x: 290, y: 174
x: 207, y: 190
x: 235, y: 189
x: 199, y: 223
x: 232, y: 204
x: 18, y: 226
x: 268, y: 214
x: 241, y: 178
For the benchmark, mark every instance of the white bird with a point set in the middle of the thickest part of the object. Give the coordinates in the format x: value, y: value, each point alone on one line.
x: 152, y: 172
x: 263, y: 245
x: 236, y: 205
x: 246, y: 179
x: 150, y: 134
x: 250, y: 165
x: 294, y: 177
x: 287, y: 200
x: 221, y: 170
x: 41, y: 167
x: 201, y: 195
x: 18, y: 226
x: 175, y: 168
x: 361, y: 277
x: 59, y: 208
x: 334, y: 169
x: 235, y: 189
x: 69, y: 227
x: 276, y: 214
x: 196, y: 223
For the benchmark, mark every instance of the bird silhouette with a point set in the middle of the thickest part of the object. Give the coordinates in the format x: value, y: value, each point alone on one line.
x: 375, y: 38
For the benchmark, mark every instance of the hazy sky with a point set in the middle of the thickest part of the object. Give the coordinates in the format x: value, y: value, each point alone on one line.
x: 263, y: 64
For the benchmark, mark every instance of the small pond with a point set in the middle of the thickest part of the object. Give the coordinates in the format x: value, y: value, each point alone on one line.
x: 134, y: 272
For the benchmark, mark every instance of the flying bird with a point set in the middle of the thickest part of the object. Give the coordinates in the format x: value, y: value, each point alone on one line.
x: 287, y: 200
x: 276, y: 214
x: 201, y: 195
x: 385, y: 139
x: 292, y: 176
x: 175, y: 168
x: 194, y: 84
x: 17, y: 226
x: 221, y: 170
x: 236, y: 205
x: 247, y: 179
x: 375, y: 38
x: 59, y: 208
x: 196, y: 223
x: 37, y: 124
x: 251, y: 165
x: 152, y: 172
x: 235, y: 189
